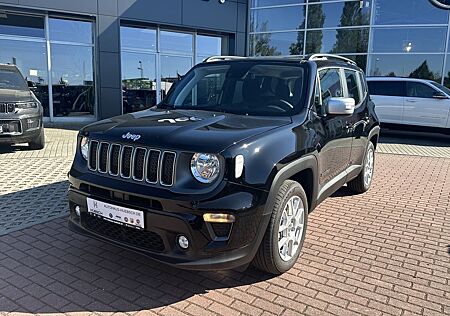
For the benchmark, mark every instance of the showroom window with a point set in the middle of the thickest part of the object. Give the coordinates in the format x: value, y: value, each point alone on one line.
x: 22, y: 42
x: 138, y: 68
x: 176, y: 57
x: 72, y: 72
x: 65, y: 47
x: 154, y: 59
x: 314, y: 26
x: 408, y: 44
x: 400, y: 12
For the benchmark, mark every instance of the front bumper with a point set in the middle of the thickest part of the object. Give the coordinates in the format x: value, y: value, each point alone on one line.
x: 20, y: 128
x: 211, y: 247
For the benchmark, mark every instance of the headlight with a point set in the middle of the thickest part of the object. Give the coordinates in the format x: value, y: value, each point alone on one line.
x: 84, y: 147
x: 205, y: 167
x: 27, y: 105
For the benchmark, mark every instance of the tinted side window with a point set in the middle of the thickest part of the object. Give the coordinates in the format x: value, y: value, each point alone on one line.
x: 388, y: 88
x: 330, y: 84
x: 419, y: 90
x: 353, y: 87
x: 363, y: 83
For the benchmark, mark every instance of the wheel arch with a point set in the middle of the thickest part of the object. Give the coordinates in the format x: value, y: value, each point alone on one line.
x: 303, y: 170
x: 374, y: 135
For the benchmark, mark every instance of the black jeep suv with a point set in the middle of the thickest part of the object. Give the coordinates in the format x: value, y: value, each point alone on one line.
x: 226, y: 169
x: 20, y: 111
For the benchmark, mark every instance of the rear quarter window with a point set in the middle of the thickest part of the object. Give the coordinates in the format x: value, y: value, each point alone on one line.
x: 387, y: 88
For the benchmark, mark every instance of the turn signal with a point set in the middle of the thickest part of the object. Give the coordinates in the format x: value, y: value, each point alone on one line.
x: 218, y: 218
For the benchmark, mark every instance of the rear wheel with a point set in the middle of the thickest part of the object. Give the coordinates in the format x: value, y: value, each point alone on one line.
x: 363, y: 181
x: 38, y: 142
x: 284, y: 237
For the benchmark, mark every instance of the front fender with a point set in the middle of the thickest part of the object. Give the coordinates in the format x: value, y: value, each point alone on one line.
x: 290, y: 170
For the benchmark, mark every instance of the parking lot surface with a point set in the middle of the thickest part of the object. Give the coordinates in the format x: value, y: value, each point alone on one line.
x: 383, y: 252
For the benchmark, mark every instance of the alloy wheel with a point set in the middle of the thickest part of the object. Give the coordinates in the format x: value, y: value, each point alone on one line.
x: 368, y: 168
x: 290, y: 230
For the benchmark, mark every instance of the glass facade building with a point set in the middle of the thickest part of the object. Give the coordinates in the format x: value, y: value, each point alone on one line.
x: 407, y: 38
x: 88, y: 60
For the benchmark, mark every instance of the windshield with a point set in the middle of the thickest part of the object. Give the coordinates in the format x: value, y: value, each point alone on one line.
x: 12, y: 80
x: 441, y: 87
x: 247, y: 88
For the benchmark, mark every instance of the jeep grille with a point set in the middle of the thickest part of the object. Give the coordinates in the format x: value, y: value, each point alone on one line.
x: 131, y: 162
x: 7, y: 107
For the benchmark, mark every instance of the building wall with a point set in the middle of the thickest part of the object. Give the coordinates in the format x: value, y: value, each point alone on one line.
x: 229, y: 18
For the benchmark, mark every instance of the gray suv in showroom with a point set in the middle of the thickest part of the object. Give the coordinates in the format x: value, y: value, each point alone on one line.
x: 21, y: 112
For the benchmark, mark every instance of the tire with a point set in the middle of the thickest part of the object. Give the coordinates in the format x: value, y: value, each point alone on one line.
x: 39, y: 142
x: 361, y: 183
x: 269, y: 257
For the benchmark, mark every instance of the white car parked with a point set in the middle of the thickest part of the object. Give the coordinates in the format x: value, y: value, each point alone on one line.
x: 413, y: 102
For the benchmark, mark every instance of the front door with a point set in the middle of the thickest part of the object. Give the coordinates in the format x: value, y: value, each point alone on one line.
x: 335, y: 133
x: 422, y: 108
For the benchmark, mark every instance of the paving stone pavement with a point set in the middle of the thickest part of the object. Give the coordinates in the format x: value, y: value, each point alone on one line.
x: 385, y: 252
x: 33, y: 186
x: 406, y: 143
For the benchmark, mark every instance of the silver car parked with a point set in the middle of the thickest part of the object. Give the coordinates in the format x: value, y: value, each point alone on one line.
x: 21, y: 113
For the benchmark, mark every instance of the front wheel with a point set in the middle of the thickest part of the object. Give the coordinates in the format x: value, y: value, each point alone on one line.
x: 363, y: 181
x: 284, y: 237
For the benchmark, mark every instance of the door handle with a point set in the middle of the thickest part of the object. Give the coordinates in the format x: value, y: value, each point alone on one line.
x: 411, y: 100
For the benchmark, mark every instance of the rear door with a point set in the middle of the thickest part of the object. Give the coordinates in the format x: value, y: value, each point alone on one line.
x: 360, y: 118
x: 422, y: 108
x: 389, y: 97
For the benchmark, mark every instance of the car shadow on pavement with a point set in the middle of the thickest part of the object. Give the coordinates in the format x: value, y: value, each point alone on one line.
x: 27, y: 207
x: 8, y: 149
x: 343, y: 192
x: 46, y: 268
x: 414, y: 138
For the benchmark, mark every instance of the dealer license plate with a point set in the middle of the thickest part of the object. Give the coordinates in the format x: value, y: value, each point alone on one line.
x: 116, y: 214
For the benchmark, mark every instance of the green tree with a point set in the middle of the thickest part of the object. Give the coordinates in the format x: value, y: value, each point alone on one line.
x: 261, y: 43
x: 447, y: 80
x: 316, y: 19
x: 352, y: 41
x: 296, y: 48
x: 423, y: 72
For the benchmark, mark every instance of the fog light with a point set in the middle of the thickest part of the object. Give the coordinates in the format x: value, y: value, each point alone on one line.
x: 183, y: 242
x: 77, y: 211
x: 218, y: 218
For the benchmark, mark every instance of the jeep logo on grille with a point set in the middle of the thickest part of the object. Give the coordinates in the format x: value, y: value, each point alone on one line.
x: 133, y: 137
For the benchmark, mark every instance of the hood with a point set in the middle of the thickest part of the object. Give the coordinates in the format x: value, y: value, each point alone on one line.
x: 9, y: 95
x: 188, y: 130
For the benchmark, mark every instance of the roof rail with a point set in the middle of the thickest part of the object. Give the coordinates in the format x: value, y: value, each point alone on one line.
x: 221, y: 58
x: 330, y: 56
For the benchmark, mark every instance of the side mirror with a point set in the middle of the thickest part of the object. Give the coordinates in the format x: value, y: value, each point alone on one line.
x: 439, y: 95
x: 341, y: 106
